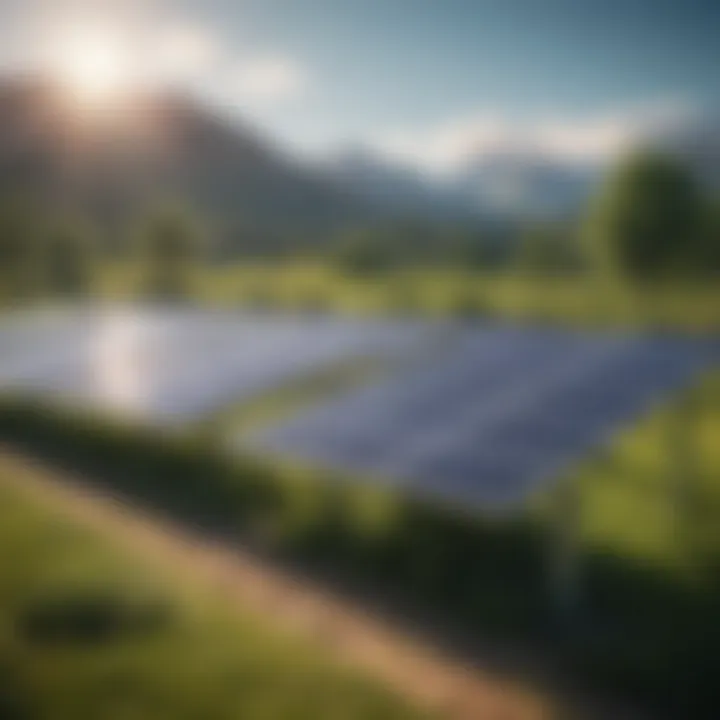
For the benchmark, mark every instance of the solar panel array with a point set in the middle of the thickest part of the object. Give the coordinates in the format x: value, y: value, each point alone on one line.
x: 504, y: 410
x: 175, y: 366
x: 484, y: 419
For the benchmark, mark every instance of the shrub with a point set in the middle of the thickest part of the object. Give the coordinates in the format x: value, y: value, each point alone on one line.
x: 89, y: 616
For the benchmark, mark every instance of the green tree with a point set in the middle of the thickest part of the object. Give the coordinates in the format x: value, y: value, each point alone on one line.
x: 647, y: 220
x: 467, y: 249
x: 712, y: 230
x: 549, y: 250
x: 67, y: 258
x: 19, y: 242
x: 170, y: 245
x: 365, y: 252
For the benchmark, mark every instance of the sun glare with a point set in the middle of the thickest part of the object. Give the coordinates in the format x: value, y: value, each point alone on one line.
x: 92, y: 62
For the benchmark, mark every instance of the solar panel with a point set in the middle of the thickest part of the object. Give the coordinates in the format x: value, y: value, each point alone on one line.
x: 484, y: 416
x: 177, y: 365
x: 503, y: 410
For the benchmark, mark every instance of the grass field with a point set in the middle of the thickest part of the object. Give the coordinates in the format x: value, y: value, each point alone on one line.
x: 573, y: 300
x: 71, y: 650
x: 655, y: 494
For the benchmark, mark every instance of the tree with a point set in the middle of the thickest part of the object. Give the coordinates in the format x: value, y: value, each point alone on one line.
x: 646, y: 222
x: 67, y: 256
x: 19, y: 240
x: 365, y: 252
x: 712, y: 229
x: 170, y: 244
x: 549, y: 250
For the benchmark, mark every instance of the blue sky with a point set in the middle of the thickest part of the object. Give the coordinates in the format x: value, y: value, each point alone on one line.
x: 316, y: 73
x: 385, y: 63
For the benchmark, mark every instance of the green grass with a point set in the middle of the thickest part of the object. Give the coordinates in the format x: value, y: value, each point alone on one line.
x: 578, y: 300
x: 291, y: 397
x: 205, y: 662
x: 630, y: 494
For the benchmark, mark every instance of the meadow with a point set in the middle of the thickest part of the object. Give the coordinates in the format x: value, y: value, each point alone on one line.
x: 89, y: 630
x: 576, y: 300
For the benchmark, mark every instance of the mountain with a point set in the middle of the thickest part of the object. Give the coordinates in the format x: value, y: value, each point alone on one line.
x: 487, y: 187
x: 523, y: 181
x: 519, y: 181
x: 395, y: 189
x: 508, y: 183
x: 113, y: 163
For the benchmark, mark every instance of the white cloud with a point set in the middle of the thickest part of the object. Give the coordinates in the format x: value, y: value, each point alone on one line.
x: 185, y: 50
x: 156, y: 45
x: 267, y: 79
x: 573, y: 140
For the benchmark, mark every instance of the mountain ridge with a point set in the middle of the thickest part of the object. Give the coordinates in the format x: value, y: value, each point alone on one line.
x: 153, y: 147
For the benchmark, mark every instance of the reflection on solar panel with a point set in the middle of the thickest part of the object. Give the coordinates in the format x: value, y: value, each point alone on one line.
x: 490, y: 418
x: 503, y: 411
x: 177, y: 365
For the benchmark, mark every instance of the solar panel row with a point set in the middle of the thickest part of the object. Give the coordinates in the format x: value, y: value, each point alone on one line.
x: 485, y: 420
x: 505, y: 410
x: 173, y: 366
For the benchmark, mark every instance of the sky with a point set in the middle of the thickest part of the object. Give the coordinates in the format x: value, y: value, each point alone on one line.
x: 426, y: 81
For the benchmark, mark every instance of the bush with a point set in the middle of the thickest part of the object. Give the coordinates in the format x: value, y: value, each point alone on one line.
x: 550, y: 250
x: 170, y: 244
x: 364, y: 256
x: 20, y: 265
x: 68, y: 258
x: 90, y: 616
x: 15, y: 697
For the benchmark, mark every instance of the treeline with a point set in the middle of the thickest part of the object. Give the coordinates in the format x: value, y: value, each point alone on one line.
x: 45, y: 255
x: 548, y: 247
x: 42, y: 256
x: 650, y: 220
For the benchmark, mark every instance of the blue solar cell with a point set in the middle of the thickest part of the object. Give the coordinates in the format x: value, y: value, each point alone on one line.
x: 496, y: 416
x: 484, y: 418
x: 175, y: 365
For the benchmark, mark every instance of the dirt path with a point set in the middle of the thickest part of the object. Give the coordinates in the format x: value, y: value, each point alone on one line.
x: 405, y: 663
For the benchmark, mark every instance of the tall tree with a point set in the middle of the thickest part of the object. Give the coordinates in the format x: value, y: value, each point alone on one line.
x: 67, y: 258
x: 712, y: 259
x: 19, y: 256
x: 365, y: 251
x: 549, y: 249
x: 647, y: 220
x: 171, y: 241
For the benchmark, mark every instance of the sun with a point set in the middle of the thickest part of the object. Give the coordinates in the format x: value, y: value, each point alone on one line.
x: 92, y: 62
